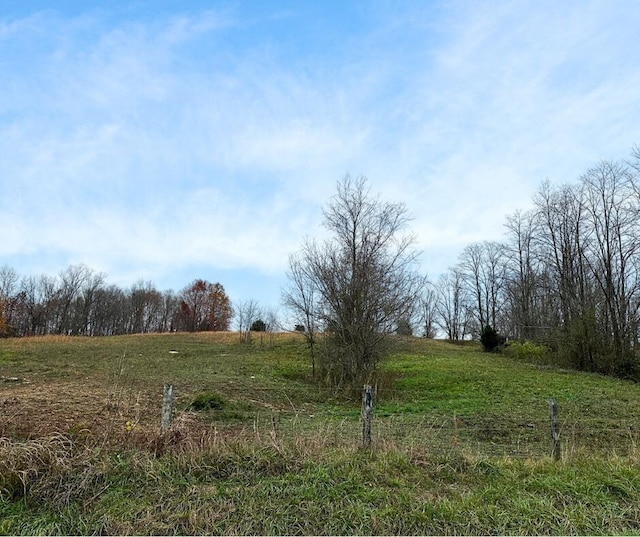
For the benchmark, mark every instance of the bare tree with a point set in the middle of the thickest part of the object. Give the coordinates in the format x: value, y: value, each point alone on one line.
x: 452, y: 305
x: 363, y: 280
x: 272, y: 323
x: 522, y: 277
x: 72, y: 279
x: 170, y: 307
x: 8, y: 299
x: 562, y: 243
x: 111, y: 314
x: 634, y: 163
x: 30, y: 307
x: 613, y: 217
x: 301, y: 299
x: 8, y: 281
x: 77, y: 302
x: 429, y: 311
x: 145, y: 308
x: 246, y: 313
x: 482, y: 269
x: 86, y: 302
x: 49, y: 298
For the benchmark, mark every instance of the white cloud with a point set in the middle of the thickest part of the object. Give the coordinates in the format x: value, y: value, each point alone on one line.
x: 147, y: 146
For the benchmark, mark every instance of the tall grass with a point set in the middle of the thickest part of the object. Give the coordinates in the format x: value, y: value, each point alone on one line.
x: 306, y: 485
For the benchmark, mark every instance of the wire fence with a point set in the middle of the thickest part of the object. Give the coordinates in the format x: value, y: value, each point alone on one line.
x: 270, y: 412
x: 488, y: 436
x: 532, y: 430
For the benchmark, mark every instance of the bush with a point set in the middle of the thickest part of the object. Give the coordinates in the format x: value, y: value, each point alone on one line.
x: 527, y: 351
x: 491, y: 340
x: 404, y: 328
x: 259, y: 326
x: 207, y: 401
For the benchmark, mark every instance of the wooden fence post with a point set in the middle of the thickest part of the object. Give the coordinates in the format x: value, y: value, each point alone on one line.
x: 167, y: 408
x: 367, y: 415
x: 555, y: 428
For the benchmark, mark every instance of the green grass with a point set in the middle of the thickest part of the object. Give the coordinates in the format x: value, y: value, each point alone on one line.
x: 288, y: 489
x: 461, y: 442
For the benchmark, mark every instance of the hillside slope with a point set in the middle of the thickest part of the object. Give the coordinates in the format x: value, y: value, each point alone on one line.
x: 461, y: 442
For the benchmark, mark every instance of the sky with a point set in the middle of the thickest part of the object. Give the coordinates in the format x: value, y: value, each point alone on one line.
x: 167, y: 141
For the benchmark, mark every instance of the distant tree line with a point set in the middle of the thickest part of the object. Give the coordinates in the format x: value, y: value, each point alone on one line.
x: 567, y: 275
x: 78, y: 301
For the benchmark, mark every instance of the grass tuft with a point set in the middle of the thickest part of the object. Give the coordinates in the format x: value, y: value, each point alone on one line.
x: 207, y: 401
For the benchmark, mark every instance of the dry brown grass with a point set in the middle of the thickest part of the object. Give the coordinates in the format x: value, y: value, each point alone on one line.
x: 25, y: 465
x: 42, y: 409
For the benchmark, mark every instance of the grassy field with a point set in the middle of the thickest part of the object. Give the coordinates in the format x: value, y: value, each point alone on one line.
x: 461, y: 442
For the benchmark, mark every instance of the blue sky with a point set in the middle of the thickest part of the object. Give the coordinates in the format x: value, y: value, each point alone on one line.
x: 169, y: 141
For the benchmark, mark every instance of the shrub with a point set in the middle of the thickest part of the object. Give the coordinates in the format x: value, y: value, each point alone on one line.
x: 527, y: 351
x: 259, y: 326
x: 490, y: 339
x: 404, y: 328
x: 207, y: 401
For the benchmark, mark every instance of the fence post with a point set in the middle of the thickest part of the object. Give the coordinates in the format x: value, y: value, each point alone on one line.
x: 367, y: 415
x: 555, y: 428
x: 167, y: 408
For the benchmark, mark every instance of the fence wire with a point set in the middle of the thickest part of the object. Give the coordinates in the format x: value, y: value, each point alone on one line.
x: 487, y: 436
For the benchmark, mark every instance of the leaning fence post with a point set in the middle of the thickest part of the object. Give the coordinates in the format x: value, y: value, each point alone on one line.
x: 555, y: 428
x: 167, y: 407
x: 367, y: 415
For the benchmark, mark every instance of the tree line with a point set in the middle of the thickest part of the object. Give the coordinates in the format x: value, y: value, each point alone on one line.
x: 78, y: 301
x: 567, y: 275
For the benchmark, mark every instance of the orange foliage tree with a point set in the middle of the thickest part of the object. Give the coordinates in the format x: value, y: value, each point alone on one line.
x: 204, y: 306
x: 4, y: 327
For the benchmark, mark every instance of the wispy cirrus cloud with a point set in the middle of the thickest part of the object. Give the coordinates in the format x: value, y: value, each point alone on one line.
x: 191, y: 137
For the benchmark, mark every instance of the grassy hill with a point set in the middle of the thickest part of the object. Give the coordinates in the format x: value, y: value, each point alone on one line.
x: 461, y: 442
